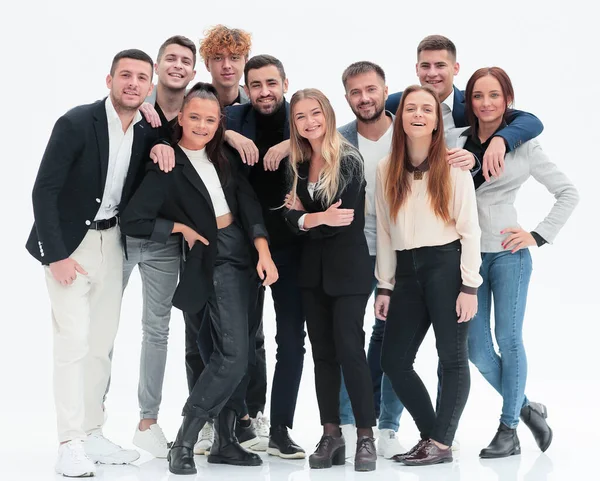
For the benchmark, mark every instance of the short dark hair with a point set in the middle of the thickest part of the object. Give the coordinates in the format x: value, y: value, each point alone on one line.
x: 260, y: 61
x: 177, y: 40
x: 134, y: 54
x: 437, y: 42
x: 358, y: 68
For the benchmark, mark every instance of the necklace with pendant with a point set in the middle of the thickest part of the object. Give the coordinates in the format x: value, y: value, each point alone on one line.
x: 418, y: 174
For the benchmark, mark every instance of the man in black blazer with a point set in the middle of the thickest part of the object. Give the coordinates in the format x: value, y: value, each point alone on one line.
x: 260, y: 132
x: 90, y: 167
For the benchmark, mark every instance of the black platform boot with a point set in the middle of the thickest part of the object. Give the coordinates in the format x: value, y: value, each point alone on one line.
x: 505, y: 443
x: 226, y: 449
x: 181, y: 454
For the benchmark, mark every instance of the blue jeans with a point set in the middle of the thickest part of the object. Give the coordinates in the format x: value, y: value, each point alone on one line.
x: 505, y: 279
x: 388, y: 407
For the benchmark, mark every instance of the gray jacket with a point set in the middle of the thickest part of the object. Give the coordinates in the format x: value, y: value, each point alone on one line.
x: 350, y: 133
x: 496, y: 199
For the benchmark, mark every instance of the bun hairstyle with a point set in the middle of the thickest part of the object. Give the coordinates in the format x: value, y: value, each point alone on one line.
x: 215, y: 147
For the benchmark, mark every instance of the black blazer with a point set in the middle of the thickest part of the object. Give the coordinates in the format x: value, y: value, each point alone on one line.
x: 70, y: 182
x: 335, y: 257
x: 181, y: 196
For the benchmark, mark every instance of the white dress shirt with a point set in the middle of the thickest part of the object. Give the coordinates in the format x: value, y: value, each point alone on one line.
x: 447, y: 106
x: 119, y: 156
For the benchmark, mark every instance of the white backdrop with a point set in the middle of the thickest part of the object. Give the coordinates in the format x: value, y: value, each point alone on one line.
x: 57, y: 54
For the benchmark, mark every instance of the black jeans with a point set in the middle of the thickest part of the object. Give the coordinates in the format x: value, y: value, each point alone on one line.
x: 225, y: 334
x: 335, y: 329
x: 427, y: 284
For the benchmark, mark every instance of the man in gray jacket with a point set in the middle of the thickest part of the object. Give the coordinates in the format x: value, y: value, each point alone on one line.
x: 371, y: 133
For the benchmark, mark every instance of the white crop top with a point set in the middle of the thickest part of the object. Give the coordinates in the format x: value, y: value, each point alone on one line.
x: 207, y: 172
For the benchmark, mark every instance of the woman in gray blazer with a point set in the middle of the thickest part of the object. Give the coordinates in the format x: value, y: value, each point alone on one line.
x: 506, y: 262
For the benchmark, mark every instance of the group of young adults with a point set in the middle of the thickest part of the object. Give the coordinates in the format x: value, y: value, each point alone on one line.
x: 217, y: 191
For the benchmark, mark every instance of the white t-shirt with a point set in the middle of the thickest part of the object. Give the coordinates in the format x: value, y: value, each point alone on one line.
x: 207, y: 172
x: 372, y: 153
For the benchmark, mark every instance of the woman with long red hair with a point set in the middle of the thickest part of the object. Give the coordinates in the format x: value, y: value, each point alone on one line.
x: 427, y: 269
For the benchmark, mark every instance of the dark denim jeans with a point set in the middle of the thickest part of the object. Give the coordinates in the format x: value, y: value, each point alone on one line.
x: 428, y: 281
x: 505, y: 279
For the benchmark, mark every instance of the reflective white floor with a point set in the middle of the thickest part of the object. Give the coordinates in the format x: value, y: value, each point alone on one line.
x: 562, y: 373
x: 567, y: 458
x: 560, y: 463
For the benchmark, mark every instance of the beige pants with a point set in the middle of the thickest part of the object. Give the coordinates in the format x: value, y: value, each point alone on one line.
x: 85, y: 317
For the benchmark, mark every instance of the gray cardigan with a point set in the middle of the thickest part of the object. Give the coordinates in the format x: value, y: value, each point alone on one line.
x: 495, y: 199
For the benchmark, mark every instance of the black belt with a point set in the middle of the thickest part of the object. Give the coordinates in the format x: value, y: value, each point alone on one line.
x: 104, y: 223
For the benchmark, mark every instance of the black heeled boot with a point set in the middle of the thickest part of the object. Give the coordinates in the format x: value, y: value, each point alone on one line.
x: 534, y: 416
x: 181, y: 454
x: 226, y: 449
x: 505, y: 443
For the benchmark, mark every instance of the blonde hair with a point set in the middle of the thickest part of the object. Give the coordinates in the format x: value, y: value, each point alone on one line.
x: 335, y: 175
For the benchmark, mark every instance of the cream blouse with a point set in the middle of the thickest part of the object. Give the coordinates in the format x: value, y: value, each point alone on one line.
x: 417, y: 225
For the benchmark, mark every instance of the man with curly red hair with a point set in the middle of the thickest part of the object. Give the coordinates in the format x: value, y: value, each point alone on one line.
x: 225, y: 53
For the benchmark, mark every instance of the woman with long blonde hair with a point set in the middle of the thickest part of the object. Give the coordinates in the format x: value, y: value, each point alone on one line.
x: 327, y: 204
x: 427, y: 269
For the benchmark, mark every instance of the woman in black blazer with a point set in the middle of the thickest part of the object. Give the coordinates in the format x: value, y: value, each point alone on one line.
x: 327, y: 202
x: 215, y: 209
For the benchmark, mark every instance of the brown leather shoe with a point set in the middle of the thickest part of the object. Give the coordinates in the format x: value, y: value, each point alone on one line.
x: 366, y: 454
x: 330, y: 451
x: 428, y: 453
x: 399, y: 457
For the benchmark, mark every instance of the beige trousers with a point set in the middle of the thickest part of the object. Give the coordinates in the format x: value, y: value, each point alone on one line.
x: 85, y: 317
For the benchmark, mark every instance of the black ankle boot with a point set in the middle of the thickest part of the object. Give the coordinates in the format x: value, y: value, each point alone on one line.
x: 534, y: 416
x: 505, y: 443
x: 226, y: 449
x: 181, y: 454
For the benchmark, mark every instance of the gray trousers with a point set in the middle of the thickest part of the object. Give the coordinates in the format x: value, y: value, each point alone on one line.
x: 159, y: 268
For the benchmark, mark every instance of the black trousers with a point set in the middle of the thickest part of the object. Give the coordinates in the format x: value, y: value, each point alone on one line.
x: 256, y: 394
x: 225, y: 335
x: 335, y: 330
x: 428, y: 281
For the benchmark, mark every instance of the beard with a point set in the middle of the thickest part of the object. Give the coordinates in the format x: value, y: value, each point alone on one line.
x: 371, y: 118
x: 121, y: 106
x: 271, y: 109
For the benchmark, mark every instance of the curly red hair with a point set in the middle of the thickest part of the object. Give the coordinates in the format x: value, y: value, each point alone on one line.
x: 221, y: 37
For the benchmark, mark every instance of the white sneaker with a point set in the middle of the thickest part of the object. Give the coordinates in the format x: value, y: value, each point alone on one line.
x: 101, y: 450
x: 152, y: 440
x: 205, y: 440
x: 72, y: 460
x: 455, y: 446
x: 388, y: 445
x: 262, y: 429
x: 349, y: 433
